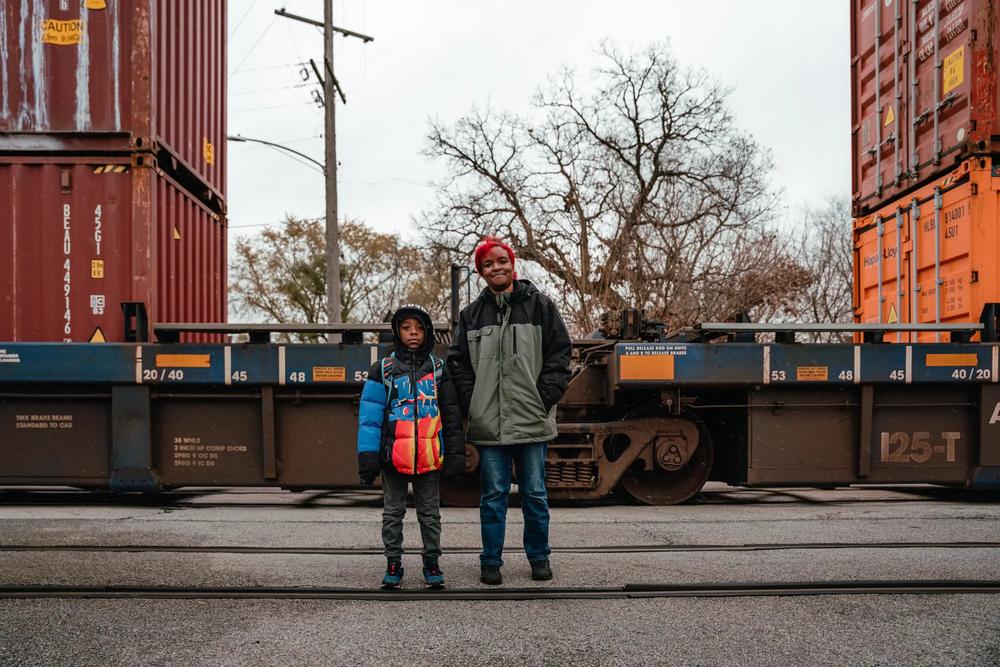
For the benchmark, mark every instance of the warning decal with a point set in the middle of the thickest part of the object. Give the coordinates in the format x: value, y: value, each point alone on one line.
x: 811, y: 373
x: 208, y: 151
x: 63, y: 33
x: 953, y: 70
x: 98, y: 336
x: 329, y: 374
x: 890, y: 117
x: 893, y: 315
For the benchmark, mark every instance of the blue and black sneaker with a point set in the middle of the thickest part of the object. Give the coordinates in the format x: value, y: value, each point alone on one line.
x: 433, y: 576
x: 393, y: 576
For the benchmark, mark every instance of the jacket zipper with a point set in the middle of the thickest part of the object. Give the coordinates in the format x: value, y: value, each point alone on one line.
x: 416, y: 422
x: 501, y: 315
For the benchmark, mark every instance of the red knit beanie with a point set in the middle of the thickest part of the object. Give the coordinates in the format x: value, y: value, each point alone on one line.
x: 488, y: 244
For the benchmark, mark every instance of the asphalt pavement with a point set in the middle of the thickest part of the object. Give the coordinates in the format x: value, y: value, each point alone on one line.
x: 63, y: 539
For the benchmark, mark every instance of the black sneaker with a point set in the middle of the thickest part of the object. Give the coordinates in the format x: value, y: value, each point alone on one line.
x: 490, y: 575
x: 541, y: 570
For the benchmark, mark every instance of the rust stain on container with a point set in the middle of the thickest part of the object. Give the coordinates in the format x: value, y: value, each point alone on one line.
x: 125, y: 75
x: 924, y: 92
x: 82, y: 238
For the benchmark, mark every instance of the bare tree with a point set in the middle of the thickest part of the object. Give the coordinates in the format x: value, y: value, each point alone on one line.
x: 280, y: 274
x: 636, y: 190
x: 826, y: 249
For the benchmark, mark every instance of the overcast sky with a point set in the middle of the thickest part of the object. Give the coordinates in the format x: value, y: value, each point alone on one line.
x: 787, y: 61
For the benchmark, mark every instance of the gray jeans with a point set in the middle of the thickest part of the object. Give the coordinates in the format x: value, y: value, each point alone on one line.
x: 427, y: 499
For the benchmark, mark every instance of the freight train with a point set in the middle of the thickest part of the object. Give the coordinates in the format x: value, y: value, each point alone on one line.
x: 652, y: 414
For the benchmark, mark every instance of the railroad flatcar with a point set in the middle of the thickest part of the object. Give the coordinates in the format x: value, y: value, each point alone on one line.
x: 651, y: 414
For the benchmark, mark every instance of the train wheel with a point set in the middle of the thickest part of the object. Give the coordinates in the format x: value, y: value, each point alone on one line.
x: 463, y: 492
x: 662, y: 482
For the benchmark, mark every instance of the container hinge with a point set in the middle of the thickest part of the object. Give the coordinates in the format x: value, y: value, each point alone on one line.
x: 947, y: 101
x: 975, y: 277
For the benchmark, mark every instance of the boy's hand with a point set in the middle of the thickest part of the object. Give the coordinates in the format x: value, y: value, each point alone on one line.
x: 454, y: 466
x: 368, y: 479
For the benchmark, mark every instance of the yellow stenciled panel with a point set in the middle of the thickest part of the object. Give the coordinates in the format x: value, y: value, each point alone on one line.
x: 812, y: 373
x: 183, y: 361
x: 651, y: 367
x: 329, y: 373
x: 944, y: 360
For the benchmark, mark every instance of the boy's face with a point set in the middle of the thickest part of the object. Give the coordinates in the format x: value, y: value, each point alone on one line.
x: 497, y: 270
x: 412, y: 333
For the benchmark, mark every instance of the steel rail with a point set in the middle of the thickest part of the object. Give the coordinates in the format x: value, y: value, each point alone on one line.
x: 626, y: 592
x: 595, y: 549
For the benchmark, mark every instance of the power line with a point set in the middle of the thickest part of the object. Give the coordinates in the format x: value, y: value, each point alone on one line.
x: 273, y: 106
x: 254, y: 47
x: 244, y: 18
x: 270, y: 90
x: 266, y: 67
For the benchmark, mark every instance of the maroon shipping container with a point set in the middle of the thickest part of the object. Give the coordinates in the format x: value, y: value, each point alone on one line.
x: 82, y: 235
x: 924, y: 91
x: 117, y: 75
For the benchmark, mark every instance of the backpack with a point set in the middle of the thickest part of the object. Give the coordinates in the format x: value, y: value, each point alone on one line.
x: 390, y: 361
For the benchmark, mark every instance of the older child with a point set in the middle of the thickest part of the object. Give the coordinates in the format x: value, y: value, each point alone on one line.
x: 410, y: 428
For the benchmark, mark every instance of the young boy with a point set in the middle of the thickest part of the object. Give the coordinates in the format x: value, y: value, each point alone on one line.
x: 410, y: 428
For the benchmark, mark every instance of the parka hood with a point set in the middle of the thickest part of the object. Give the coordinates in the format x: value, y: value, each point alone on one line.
x: 412, y: 310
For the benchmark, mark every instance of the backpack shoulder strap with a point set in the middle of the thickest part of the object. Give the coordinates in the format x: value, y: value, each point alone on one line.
x: 387, y: 364
x: 438, y: 369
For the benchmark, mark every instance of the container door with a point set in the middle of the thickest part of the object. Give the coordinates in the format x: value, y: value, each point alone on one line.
x: 941, y: 84
x: 944, y: 233
x: 883, y: 270
x: 879, y: 81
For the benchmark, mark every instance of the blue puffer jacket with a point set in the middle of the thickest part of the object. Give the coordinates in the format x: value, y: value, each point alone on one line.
x: 416, y: 426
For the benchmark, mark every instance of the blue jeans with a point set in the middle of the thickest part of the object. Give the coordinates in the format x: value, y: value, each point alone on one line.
x: 494, y: 482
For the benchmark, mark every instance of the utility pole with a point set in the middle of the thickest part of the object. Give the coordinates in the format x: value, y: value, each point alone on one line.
x: 331, y: 88
x: 330, y: 133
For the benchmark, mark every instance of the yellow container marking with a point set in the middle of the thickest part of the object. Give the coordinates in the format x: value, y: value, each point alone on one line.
x: 938, y: 360
x: 183, y: 361
x: 329, y: 373
x: 62, y: 33
x: 653, y: 367
x: 953, y: 70
x: 812, y: 373
x: 97, y: 269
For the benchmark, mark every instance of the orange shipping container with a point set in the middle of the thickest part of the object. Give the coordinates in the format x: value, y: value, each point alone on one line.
x: 933, y: 255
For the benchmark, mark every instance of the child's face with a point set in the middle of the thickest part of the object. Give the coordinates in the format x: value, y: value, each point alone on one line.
x: 412, y: 333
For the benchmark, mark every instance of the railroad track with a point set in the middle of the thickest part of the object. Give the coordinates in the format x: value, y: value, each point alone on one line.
x: 627, y: 592
x: 594, y: 549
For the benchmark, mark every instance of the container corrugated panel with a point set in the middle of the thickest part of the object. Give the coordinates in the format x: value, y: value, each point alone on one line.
x: 83, y: 235
x: 924, y: 92
x: 93, y: 75
x: 932, y: 256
